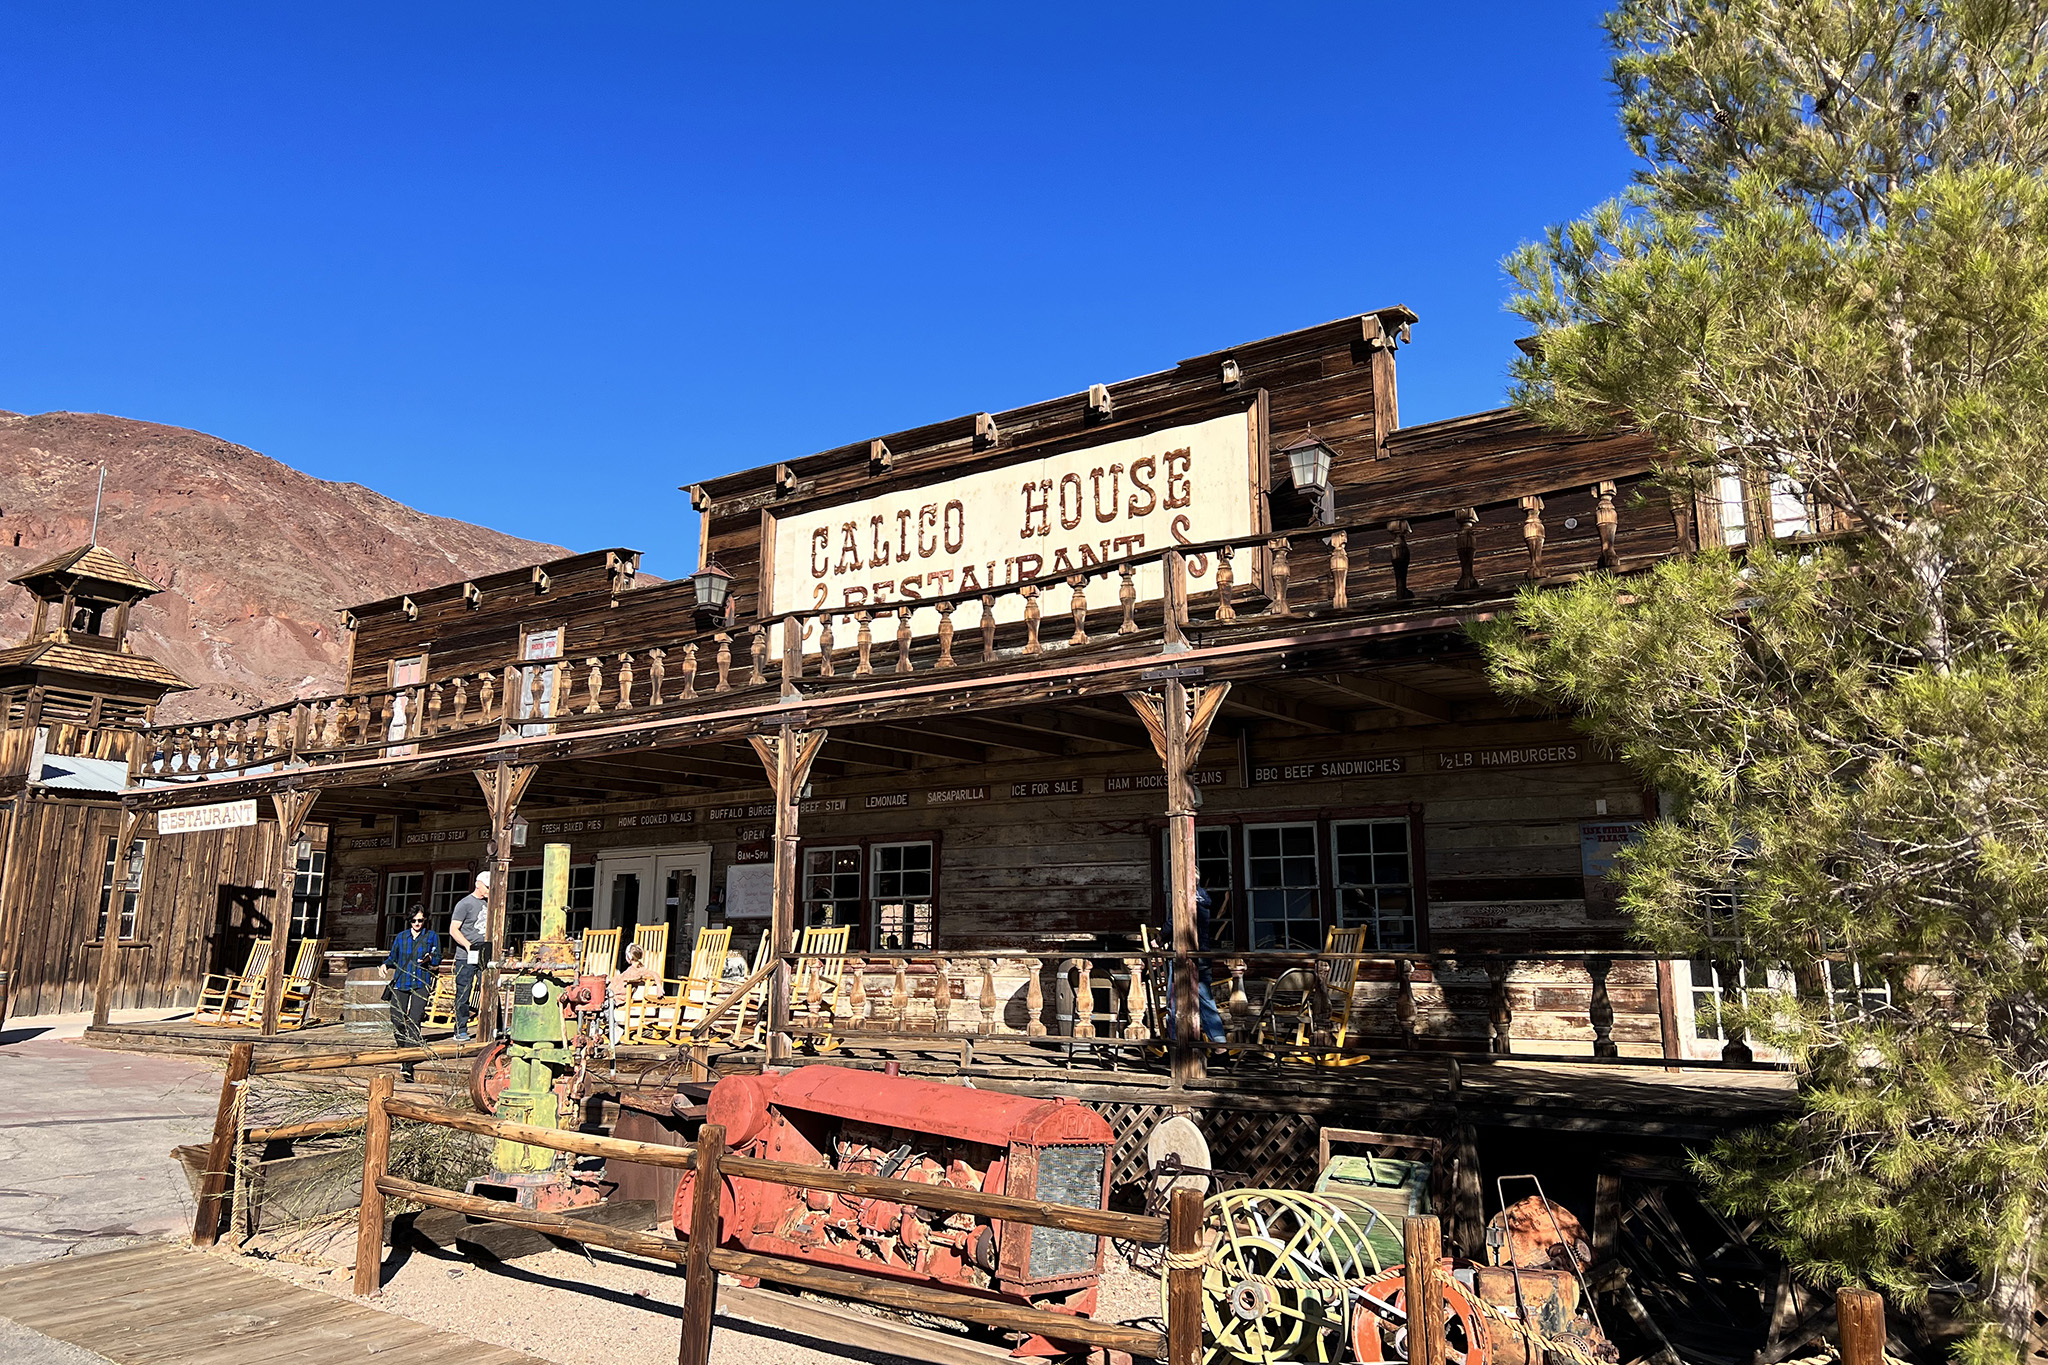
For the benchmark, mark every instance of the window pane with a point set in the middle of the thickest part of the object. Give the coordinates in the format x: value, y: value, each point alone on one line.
x: 1375, y: 882
x: 1734, y: 516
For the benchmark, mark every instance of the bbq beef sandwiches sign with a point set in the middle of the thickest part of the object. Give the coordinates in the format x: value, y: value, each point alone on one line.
x: 1036, y: 519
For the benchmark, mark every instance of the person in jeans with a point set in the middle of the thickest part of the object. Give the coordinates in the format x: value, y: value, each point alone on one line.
x: 409, y: 967
x: 470, y: 926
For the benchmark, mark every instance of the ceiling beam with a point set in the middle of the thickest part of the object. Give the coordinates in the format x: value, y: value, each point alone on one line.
x: 899, y: 739
x: 1270, y: 705
x: 1084, y: 723
x: 1393, y: 696
x: 997, y: 735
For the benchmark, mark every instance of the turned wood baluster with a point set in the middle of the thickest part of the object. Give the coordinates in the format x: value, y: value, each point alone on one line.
x: 988, y: 997
x: 864, y: 644
x: 594, y: 686
x: 1398, y: 529
x: 1031, y: 645
x: 551, y: 694
x: 1240, y: 1003
x: 814, y: 988
x: 942, y: 998
x: 689, y: 673
x: 1279, y: 573
x: 988, y: 629
x: 657, y: 674
x: 1127, y: 598
x: 825, y: 666
x: 899, y: 996
x: 1608, y: 520
x: 1084, y: 999
x: 903, y: 664
x: 1340, y: 571
x: 486, y: 695
x: 1226, y: 584
x: 1135, y: 1001
x: 273, y: 739
x: 757, y: 654
x: 1077, y: 608
x: 220, y: 746
x: 945, y: 610
x: 857, y: 998
x: 1532, y: 534
x: 232, y: 738
x: 433, y: 720
x: 1468, y: 523
x: 328, y: 720
x: 1500, y: 1011
x: 513, y: 694
x: 724, y: 662
x: 1034, y: 999
x: 1600, y: 1012
x: 625, y: 681
x: 1404, y: 1002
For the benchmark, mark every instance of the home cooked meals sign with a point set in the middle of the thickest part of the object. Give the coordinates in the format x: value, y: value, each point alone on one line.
x: 1038, y: 519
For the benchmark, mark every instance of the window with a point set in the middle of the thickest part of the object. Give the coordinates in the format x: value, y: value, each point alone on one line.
x: 449, y: 887
x: 831, y: 886
x: 1282, y: 882
x: 903, y: 895
x: 309, y: 893
x: 401, y: 894
x: 1854, y: 993
x: 536, y: 685
x: 522, y: 908
x: 124, y: 876
x: 1782, y: 501
x: 582, y: 897
x: 1375, y: 886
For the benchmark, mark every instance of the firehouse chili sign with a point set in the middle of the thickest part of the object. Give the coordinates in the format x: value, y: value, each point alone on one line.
x: 1037, y: 519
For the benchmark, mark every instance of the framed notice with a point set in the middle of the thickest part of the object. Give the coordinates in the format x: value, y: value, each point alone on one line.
x: 750, y: 891
x: 1040, y: 517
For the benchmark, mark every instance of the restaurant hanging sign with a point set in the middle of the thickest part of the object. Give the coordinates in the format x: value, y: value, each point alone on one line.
x: 1040, y: 518
x: 200, y: 819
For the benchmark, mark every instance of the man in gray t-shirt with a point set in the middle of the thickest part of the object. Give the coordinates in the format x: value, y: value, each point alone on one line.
x: 469, y: 925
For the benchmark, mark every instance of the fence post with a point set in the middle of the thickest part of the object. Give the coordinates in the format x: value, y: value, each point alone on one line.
x: 1859, y: 1314
x: 700, y: 1281
x: 370, y: 1217
x: 1422, y: 1250
x: 213, y: 1181
x: 1184, y: 1277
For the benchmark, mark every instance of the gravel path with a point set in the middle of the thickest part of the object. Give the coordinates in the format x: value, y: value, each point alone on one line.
x: 603, y: 1309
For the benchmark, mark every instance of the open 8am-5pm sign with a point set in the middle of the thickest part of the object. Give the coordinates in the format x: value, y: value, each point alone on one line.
x: 1041, y: 517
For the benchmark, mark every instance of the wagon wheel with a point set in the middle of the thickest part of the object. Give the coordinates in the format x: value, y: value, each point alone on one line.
x: 1379, y: 1321
x: 489, y: 1075
x: 1273, y: 1287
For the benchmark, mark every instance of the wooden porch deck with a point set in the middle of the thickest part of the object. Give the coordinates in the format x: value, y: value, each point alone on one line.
x: 171, y: 1305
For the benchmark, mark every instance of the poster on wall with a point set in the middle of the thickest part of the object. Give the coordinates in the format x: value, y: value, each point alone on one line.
x: 749, y: 891
x: 1042, y: 518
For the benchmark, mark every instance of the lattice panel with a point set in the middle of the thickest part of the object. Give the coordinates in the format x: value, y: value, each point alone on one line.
x: 1133, y: 1125
x: 1272, y: 1150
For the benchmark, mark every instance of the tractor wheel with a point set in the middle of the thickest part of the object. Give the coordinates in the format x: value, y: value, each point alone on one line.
x: 489, y: 1074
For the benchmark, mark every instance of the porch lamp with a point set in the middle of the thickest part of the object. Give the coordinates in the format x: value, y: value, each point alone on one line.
x: 519, y: 828
x: 1308, y: 465
x: 714, y: 587
x: 303, y: 850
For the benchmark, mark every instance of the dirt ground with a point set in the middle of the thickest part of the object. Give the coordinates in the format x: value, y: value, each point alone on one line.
x: 600, y: 1308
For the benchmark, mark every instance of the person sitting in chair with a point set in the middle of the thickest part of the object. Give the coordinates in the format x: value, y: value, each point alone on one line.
x: 618, y: 989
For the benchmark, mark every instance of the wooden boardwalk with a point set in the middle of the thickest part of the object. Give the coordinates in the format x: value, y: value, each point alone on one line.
x: 170, y: 1305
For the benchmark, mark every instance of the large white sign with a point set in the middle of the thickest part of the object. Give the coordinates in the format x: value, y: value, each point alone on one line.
x: 1038, y: 519
x: 198, y: 819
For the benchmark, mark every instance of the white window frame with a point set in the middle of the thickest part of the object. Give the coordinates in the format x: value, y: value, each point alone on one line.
x: 1314, y: 887
x: 1376, y: 919
x: 128, y: 883
x: 396, y: 910
x: 539, y: 699
x: 309, y: 893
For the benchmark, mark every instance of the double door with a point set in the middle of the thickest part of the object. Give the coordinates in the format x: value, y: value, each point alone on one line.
x: 671, y: 886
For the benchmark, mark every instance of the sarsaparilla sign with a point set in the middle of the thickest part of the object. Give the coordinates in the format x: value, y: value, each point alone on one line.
x: 1037, y: 518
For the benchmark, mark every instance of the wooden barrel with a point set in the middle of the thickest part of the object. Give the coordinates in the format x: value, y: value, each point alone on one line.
x: 364, y: 1011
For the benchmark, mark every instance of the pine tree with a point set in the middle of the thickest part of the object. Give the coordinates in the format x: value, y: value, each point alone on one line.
x: 1828, y: 286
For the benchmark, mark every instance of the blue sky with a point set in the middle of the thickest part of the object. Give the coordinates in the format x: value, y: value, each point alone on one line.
x: 535, y: 266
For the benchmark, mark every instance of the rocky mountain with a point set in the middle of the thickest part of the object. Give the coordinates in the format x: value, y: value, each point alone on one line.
x: 254, y: 556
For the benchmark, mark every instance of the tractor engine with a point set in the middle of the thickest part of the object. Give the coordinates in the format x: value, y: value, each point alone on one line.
x: 904, y: 1129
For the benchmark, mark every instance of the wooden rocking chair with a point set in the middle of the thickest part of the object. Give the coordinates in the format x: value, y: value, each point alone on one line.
x: 819, y: 978
x: 662, y: 1017
x: 441, y: 1004
x: 295, y: 1003
x: 223, y: 996
x: 600, y: 955
x: 653, y: 942
x: 1341, y: 980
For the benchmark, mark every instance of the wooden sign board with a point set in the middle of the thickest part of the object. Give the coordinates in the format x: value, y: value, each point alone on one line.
x: 1036, y: 518
x: 200, y: 819
x: 1528, y: 756
x: 1330, y: 769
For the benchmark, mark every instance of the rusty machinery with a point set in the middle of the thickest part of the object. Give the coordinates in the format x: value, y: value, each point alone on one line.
x: 1055, y: 1151
x: 530, y: 1073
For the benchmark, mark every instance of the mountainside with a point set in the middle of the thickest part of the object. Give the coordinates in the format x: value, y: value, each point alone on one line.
x: 254, y: 556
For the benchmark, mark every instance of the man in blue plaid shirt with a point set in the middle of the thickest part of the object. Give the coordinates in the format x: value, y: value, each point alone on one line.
x: 409, y: 966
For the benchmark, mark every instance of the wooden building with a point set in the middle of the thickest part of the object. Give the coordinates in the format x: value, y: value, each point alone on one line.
x: 73, y: 699
x: 970, y: 637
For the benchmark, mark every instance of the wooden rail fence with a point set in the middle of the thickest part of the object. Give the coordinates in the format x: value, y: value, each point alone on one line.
x: 703, y: 1259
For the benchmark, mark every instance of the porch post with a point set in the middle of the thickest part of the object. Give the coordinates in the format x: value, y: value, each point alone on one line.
x: 291, y: 808
x: 503, y: 787
x: 110, y: 937
x: 1178, y: 719
x: 788, y: 757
